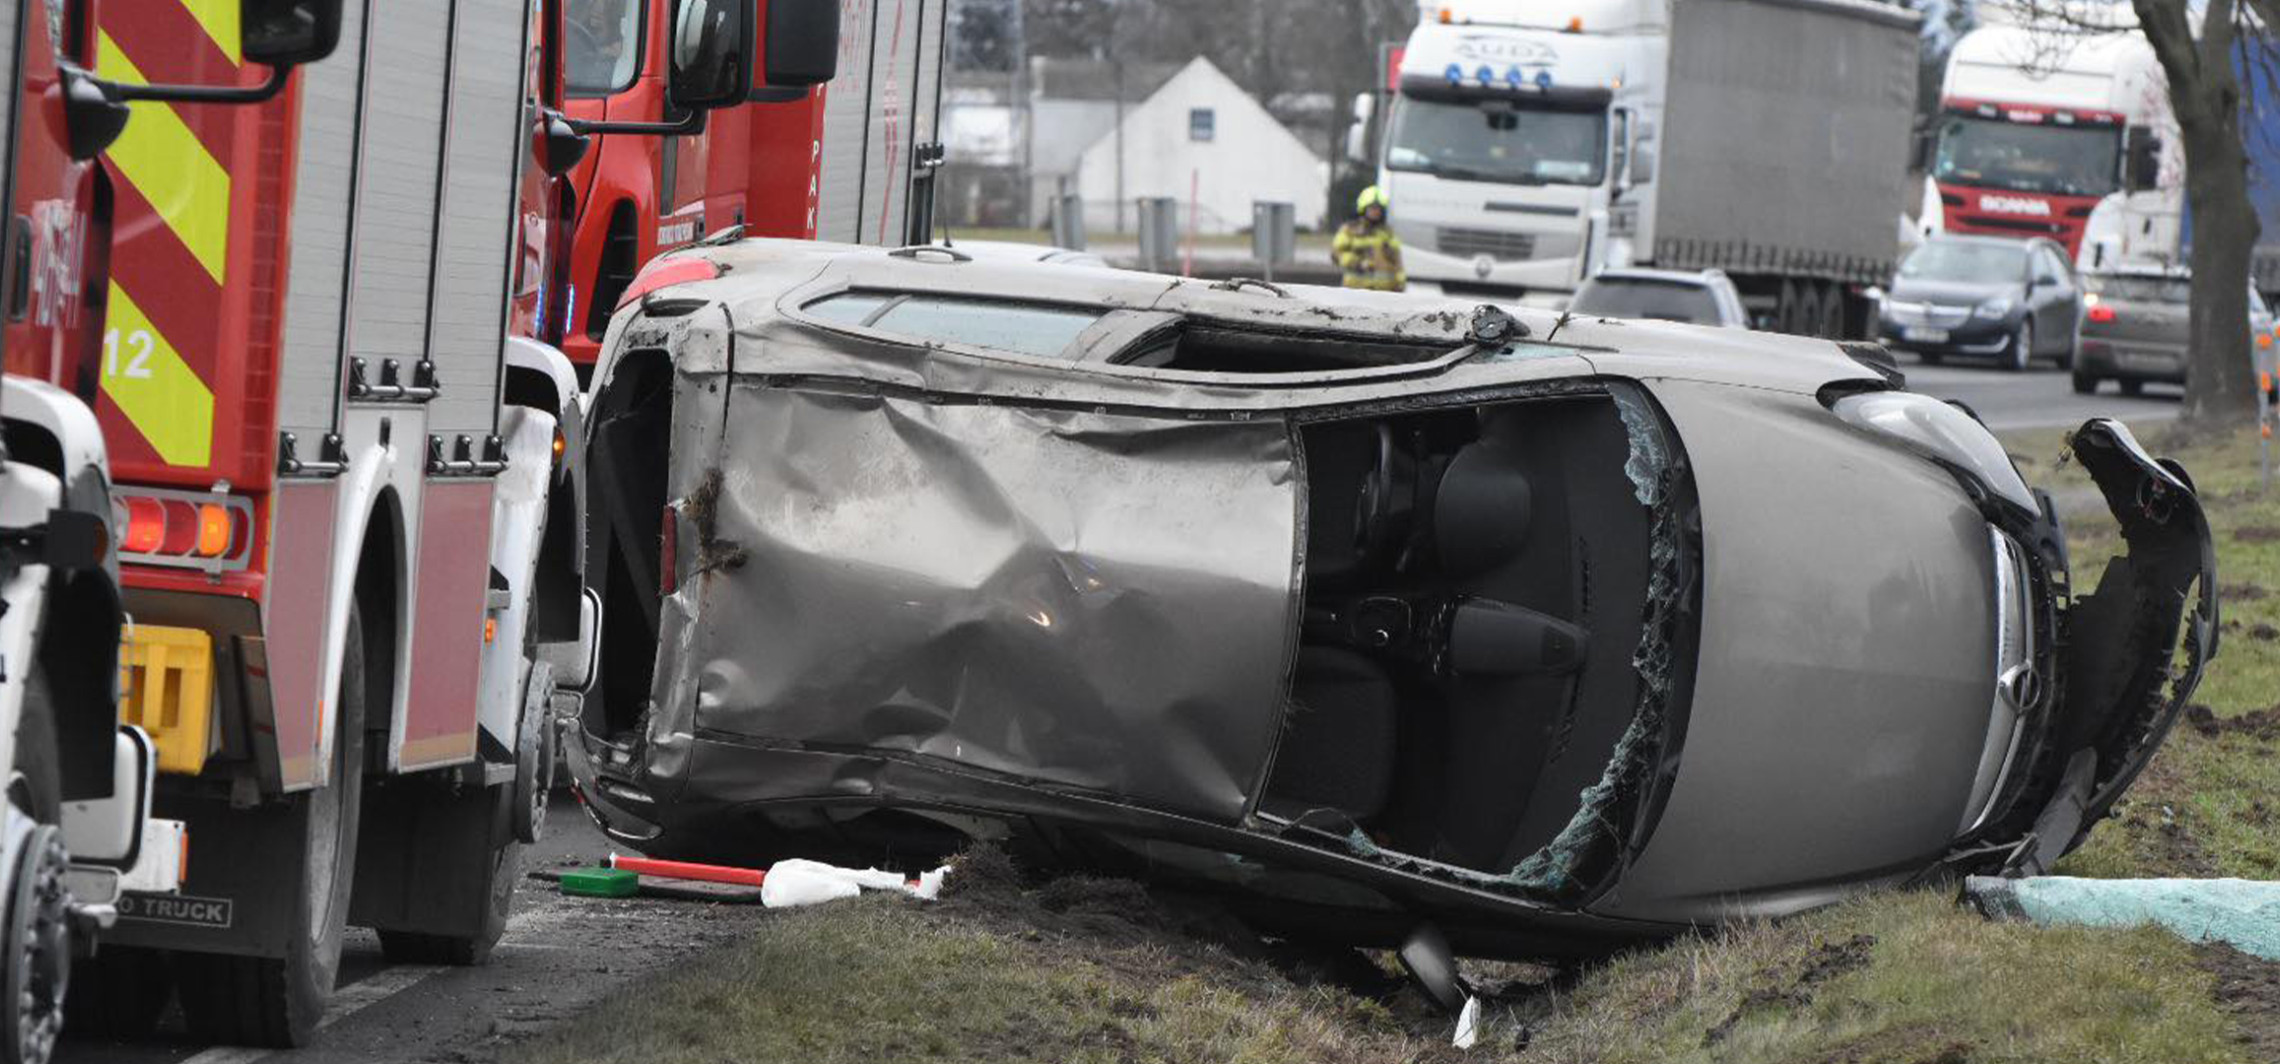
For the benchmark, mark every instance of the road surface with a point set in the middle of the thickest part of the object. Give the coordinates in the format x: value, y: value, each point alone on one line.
x: 560, y: 954
x: 2039, y: 398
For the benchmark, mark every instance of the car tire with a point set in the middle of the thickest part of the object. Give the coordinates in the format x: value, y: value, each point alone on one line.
x: 2021, y: 353
x: 2085, y: 384
x: 277, y: 1001
x: 2131, y: 387
x: 1929, y: 358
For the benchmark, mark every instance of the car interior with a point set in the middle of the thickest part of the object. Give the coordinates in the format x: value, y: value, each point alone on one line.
x: 1475, y: 589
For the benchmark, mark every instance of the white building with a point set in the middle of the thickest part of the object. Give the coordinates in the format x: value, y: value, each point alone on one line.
x: 1201, y: 136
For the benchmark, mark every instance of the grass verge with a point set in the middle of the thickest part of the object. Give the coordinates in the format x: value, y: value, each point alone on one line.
x: 1093, y: 970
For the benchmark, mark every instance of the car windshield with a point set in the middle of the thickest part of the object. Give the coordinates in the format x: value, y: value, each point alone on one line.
x: 604, y: 38
x: 2142, y: 289
x: 1026, y: 328
x: 1638, y: 297
x: 1495, y: 141
x: 1958, y: 261
x: 2071, y: 160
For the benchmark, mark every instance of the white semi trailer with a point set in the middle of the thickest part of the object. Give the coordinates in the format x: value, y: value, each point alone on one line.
x: 1528, y: 146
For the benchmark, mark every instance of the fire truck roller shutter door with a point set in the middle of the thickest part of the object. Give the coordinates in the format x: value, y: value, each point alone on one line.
x: 324, y: 182
x: 846, y: 117
x: 482, y: 163
x: 398, y: 186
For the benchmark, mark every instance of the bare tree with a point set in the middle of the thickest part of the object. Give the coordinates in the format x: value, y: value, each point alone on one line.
x: 2204, y: 48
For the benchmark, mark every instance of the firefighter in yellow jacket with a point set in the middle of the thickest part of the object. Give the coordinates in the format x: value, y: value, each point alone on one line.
x: 1366, y: 248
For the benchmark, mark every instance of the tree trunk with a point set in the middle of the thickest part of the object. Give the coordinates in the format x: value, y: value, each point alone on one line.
x: 2220, y: 385
x: 2204, y: 95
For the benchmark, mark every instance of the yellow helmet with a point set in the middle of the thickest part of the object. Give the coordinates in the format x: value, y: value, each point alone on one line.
x: 1372, y: 196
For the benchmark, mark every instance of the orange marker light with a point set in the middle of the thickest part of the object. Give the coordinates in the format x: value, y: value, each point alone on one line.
x: 490, y: 630
x: 560, y: 445
x: 1575, y: 25
x: 146, y: 526
x: 2264, y: 341
x: 213, y: 530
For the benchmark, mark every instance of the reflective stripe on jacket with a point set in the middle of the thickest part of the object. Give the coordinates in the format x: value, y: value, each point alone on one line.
x: 1370, y: 255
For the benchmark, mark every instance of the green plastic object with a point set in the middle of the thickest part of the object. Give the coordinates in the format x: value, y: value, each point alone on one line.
x: 600, y: 883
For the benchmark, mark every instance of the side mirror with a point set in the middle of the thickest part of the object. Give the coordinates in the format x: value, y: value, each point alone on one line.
x: 2141, y: 160
x: 560, y: 146
x: 283, y: 33
x: 713, y: 52
x: 1642, y: 163
x: 278, y: 34
x: 1920, y: 147
x: 1358, y: 133
x: 2046, y: 281
x: 802, y: 47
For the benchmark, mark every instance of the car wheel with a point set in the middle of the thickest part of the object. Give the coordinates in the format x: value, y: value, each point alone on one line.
x: 2130, y: 387
x: 2085, y: 384
x: 1929, y: 358
x: 2022, y: 349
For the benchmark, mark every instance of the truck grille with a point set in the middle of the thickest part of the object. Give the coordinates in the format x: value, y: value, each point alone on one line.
x: 1496, y: 244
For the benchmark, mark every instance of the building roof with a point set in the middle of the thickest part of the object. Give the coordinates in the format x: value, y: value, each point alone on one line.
x: 1088, y: 79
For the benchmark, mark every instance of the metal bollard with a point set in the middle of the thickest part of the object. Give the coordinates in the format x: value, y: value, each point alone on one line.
x: 1159, y: 234
x: 1069, y: 221
x: 1274, y: 233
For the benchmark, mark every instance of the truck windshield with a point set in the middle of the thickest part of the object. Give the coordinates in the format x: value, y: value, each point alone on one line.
x: 1497, y: 141
x: 2068, y: 160
x: 604, y: 45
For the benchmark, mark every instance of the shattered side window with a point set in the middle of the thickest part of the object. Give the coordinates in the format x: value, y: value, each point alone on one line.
x: 1026, y: 328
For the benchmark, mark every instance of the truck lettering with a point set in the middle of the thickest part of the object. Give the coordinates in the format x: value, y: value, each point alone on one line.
x: 2015, y: 205
x: 212, y: 913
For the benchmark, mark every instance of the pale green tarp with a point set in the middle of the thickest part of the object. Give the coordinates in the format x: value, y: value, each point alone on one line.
x: 2242, y: 912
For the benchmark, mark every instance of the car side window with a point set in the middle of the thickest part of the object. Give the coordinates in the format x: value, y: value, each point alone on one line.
x: 1042, y: 330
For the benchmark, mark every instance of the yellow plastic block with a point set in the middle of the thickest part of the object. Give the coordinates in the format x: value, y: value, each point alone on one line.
x: 166, y: 684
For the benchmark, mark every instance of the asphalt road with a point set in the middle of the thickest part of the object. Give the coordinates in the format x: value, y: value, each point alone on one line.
x: 2038, y: 398
x: 560, y: 954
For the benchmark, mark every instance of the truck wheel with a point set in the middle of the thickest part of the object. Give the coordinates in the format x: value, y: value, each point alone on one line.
x: 1832, y: 313
x: 277, y: 1001
x: 37, y: 959
x: 412, y: 947
x: 120, y: 992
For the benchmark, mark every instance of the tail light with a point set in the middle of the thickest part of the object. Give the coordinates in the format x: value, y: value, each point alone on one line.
x: 186, y: 529
x: 2101, y: 314
x: 668, y: 552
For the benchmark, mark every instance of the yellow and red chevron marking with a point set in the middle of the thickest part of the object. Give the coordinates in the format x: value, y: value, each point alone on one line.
x: 177, y: 314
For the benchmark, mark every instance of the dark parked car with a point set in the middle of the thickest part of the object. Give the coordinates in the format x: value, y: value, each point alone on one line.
x: 1978, y: 296
x: 1374, y: 614
x: 2134, y: 329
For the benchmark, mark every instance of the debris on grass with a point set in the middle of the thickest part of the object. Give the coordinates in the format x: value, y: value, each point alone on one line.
x: 2242, y: 913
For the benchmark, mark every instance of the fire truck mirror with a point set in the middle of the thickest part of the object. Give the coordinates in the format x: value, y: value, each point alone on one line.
x: 560, y: 145
x: 802, y: 49
x: 2143, y: 160
x: 284, y: 33
x: 713, y: 53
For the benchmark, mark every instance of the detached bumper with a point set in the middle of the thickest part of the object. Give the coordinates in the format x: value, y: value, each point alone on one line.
x: 2135, y: 646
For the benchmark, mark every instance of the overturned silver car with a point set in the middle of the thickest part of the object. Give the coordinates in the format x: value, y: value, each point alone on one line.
x: 1361, y: 611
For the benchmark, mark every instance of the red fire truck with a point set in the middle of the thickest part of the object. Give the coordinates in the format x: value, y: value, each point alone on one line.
x: 347, y: 533
x: 77, y: 825
x: 851, y: 162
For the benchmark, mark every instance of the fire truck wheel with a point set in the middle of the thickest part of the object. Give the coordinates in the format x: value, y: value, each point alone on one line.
x: 120, y: 992
x: 412, y: 947
x: 277, y: 1001
x: 35, y: 970
x: 534, y: 754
